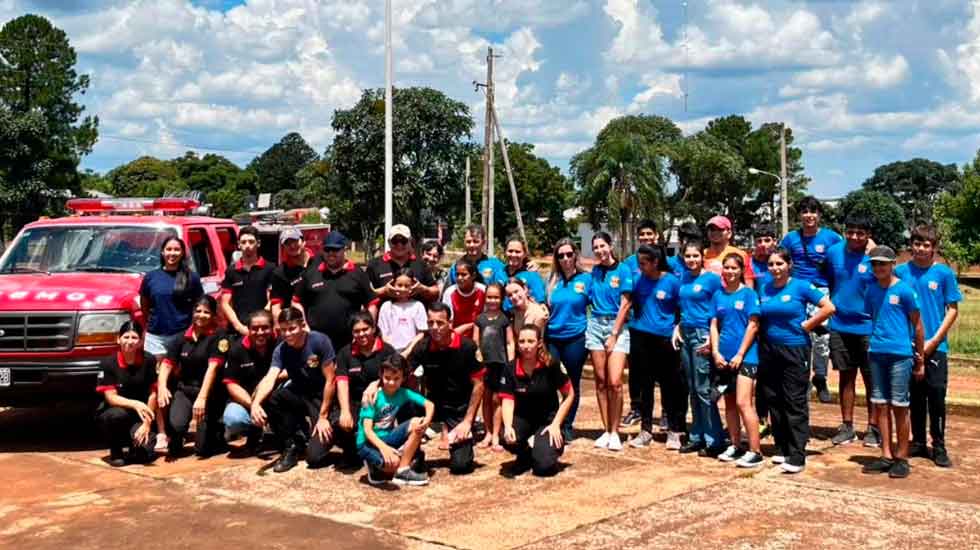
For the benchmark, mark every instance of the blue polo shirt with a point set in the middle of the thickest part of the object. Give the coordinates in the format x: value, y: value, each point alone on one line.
x: 783, y: 310
x: 675, y: 264
x: 568, y: 303
x: 762, y: 275
x: 891, y: 331
x: 169, y: 315
x: 696, y: 296
x: 535, y: 287
x: 809, y: 253
x: 489, y: 270
x: 937, y: 288
x: 608, y: 285
x: 733, y: 310
x: 655, y: 304
x: 305, y: 366
x: 850, y: 272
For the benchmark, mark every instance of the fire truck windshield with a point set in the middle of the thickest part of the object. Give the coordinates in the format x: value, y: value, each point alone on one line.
x: 96, y: 248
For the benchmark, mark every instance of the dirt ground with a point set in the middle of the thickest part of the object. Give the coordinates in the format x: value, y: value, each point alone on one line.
x: 58, y: 493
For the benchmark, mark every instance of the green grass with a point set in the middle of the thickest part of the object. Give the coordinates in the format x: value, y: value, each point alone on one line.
x: 964, y: 338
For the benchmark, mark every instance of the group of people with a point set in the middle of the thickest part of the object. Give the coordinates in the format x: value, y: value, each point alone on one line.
x: 318, y: 352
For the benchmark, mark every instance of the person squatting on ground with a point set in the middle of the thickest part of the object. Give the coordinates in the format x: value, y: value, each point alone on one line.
x: 529, y: 388
x: 495, y: 341
x: 784, y: 356
x: 734, y: 326
x: 895, y: 352
x: 607, y: 342
x: 128, y: 384
x: 247, y: 364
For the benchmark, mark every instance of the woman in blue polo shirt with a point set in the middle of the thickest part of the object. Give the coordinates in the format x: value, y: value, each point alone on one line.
x: 605, y: 339
x: 784, y: 356
x: 568, y: 301
x: 519, y: 267
x: 705, y: 436
x: 653, y: 358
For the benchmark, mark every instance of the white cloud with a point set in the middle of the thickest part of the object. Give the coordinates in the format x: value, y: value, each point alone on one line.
x: 962, y: 64
x: 656, y: 85
x: 875, y: 72
x: 846, y: 144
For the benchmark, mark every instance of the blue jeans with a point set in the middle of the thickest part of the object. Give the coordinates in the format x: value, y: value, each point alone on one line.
x: 237, y: 421
x: 394, y: 439
x: 572, y: 353
x: 890, y: 379
x: 706, y: 427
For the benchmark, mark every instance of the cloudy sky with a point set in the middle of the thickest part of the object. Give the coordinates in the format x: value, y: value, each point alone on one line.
x: 862, y: 83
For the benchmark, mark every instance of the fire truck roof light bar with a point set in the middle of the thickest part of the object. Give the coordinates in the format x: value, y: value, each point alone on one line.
x: 106, y: 206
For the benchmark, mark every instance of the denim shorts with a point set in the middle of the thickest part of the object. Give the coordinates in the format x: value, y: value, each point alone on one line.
x: 394, y: 439
x: 890, y: 377
x: 158, y: 344
x: 599, y: 329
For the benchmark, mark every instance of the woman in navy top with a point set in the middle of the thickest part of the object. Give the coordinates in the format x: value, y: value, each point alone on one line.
x: 605, y: 339
x: 697, y: 292
x: 784, y: 356
x: 734, y: 325
x: 568, y: 301
x: 519, y: 267
x: 653, y: 358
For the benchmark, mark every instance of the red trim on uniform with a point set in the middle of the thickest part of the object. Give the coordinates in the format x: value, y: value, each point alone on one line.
x: 103, y: 389
x: 478, y: 375
x: 226, y: 292
x: 189, y: 335
x: 387, y: 257
x: 454, y: 343
x: 121, y: 360
x: 374, y: 302
x: 229, y: 381
x: 375, y: 348
x: 506, y: 396
x: 275, y: 301
x: 240, y: 264
x: 342, y: 377
x: 247, y: 342
x: 347, y: 267
x: 167, y: 363
x: 566, y: 388
x: 215, y: 362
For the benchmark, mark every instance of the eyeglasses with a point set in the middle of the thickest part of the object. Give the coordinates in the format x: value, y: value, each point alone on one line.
x: 565, y: 255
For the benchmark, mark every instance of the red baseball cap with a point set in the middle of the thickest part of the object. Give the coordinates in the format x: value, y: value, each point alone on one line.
x: 721, y: 222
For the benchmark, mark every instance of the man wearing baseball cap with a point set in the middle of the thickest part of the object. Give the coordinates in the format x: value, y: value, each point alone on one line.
x: 719, y: 239
x: 400, y: 255
x: 287, y: 275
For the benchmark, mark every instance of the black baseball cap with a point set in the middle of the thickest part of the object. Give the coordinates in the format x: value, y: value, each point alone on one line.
x: 882, y: 254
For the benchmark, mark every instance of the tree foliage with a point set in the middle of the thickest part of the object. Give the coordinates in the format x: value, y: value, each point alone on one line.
x: 958, y: 216
x: 915, y: 184
x: 888, y: 223
x: 276, y: 168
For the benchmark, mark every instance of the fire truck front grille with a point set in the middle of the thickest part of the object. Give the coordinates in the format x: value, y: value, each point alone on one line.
x: 36, y: 331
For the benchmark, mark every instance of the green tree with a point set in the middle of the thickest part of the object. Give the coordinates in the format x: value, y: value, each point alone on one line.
x: 210, y: 173
x: 711, y: 179
x: 227, y: 201
x: 887, y: 219
x: 958, y: 215
x: 276, y: 168
x: 38, y: 84
x: 145, y: 177
x: 915, y: 184
x: 429, y: 154
x: 318, y: 186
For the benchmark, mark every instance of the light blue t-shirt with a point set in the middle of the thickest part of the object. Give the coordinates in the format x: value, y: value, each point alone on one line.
x: 937, y: 288
x: 567, y: 304
x: 809, y: 253
x: 608, y: 285
x: 783, y: 310
x: 384, y: 412
x: 850, y: 273
x: 733, y: 312
x: 891, y: 330
x: 695, y: 299
x: 490, y: 270
x: 655, y: 304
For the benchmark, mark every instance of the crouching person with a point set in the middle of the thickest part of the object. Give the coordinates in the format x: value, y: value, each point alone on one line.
x: 529, y: 400
x: 128, y: 382
x: 248, y: 363
x: 389, y: 449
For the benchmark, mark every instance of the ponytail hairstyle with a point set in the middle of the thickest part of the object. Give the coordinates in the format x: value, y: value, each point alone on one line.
x: 737, y: 258
x: 784, y: 254
x: 182, y: 281
x: 656, y: 254
x: 543, y: 356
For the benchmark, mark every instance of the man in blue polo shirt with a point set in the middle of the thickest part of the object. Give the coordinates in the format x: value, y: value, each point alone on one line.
x: 489, y: 269
x: 764, y: 239
x: 849, y: 273
x: 939, y: 296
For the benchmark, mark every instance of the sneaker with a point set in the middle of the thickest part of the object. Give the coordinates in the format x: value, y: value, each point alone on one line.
x: 614, y: 443
x: 603, y: 441
x: 918, y: 450
x: 663, y: 423
x: 764, y: 430
x: 792, y: 468
x: 162, y: 443
x: 750, y: 460
x: 407, y: 476
x: 731, y: 454
x: 941, y: 457
x: 375, y: 476
x: 899, y: 469
x: 673, y: 441
x: 778, y: 459
x: 691, y: 447
x: 711, y: 452
x: 643, y: 439
x: 820, y: 384
x: 845, y: 434
x: 879, y: 465
x: 631, y: 419
x: 872, y: 438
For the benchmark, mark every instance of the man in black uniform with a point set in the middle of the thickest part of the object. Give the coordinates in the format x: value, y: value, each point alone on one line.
x: 454, y: 380
x: 288, y: 275
x: 247, y: 364
x: 381, y: 270
x: 333, y: 291
x: 245, y: 288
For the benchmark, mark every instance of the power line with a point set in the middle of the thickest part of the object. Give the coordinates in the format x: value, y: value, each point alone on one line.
x: 177, y: 144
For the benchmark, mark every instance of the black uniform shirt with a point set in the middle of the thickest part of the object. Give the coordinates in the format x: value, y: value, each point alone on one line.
x: 134, y: 381
x: 360, y: 368
x: 249, y: 289
x: 283, y: 283
x: 380, y: 271
x: 535, y: 394
x: 192, y: 356
x: 331, y: 297
x: 449, y: 374
x: 246, y: 366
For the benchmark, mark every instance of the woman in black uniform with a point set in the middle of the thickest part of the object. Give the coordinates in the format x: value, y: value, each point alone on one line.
x: 128, y: 383
x: 529, y: 391
x: 198, y: 393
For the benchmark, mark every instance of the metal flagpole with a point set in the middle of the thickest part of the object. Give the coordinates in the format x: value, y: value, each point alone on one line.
x: 389, y: 155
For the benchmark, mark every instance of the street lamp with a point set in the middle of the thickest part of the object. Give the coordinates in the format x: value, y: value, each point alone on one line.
x: 782, y: 195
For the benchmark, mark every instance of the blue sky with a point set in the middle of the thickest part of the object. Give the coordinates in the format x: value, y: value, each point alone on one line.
x: 861, y: 83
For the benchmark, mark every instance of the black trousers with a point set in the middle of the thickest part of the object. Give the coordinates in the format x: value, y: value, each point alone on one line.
x: 784, y: 376
x: 119, y: 427
x: 461, y: 460
x: 655, y: 361
x: 292, y: 415
x: 209, y: 435
x: 928, y: 398
x: 542, y: 456
x: 633, y: 384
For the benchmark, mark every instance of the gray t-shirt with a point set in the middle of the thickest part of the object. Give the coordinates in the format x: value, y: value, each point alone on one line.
x: 493, y: 337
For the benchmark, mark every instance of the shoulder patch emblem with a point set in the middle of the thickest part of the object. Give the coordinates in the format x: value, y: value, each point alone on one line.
x: 313, y: 361
x: 894, y: 299
x: 862, y: 268
x: 697, y: 288
x: 786, y: 297
x: 933, y: 285
x: 661, y: 295
x: 739, y: 305
x: 614, y: 281
x: 223, y: 345
x: 819, y: 248
x: 579, y: 287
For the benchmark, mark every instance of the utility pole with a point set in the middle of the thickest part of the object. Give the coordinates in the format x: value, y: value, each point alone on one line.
x: 488, y: 177
x: 783, y: 191
x: 510, y: 177
x: 389, y: 155
x: 469, y: 208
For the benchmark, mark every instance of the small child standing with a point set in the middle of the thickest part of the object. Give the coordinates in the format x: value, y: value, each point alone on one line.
x: 496, y: 348
x: 402, y: 321
x: 465, y: 298
x: 389, y: 448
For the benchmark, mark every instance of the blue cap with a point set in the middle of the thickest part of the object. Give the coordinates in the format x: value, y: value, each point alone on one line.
x: 335, y: 240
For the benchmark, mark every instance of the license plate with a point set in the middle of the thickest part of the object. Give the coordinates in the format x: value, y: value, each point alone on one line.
x: 4, y: 377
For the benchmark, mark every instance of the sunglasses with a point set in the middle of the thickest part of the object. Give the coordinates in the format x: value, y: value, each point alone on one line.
x: 565, y: 255
x: 398, y: 240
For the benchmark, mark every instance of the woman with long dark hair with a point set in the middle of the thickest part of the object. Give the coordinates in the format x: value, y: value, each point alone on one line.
x: 519, y: 266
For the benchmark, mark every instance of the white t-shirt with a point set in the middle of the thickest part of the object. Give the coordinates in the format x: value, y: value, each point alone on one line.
x: 400, y: 322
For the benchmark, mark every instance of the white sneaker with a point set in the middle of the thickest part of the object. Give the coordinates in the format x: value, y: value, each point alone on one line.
x: 603, y: 441
x: 162, y: 442
x: 731, y: 454
x: 614, y: 443
x: 791, y: 468
x: 673, y: 441
x: 750, y: 460
x: 778, y: 459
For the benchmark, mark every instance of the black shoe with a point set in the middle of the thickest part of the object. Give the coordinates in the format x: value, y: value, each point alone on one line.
x: 711, y: 452
x: 941, y: 457
x: 899, y: 470
x: 175, y: 447
x: 288, y: 460
x: 631, y: 419
x: 691, y: 447
x: 919, y: 450
x: 823, y: 394
x: 253, y: 443
x: 116, y: 458
x: 878, y: 466
x: 567, y: 434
